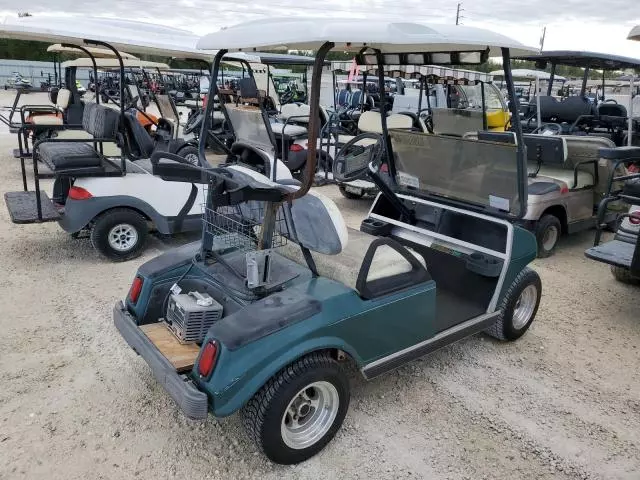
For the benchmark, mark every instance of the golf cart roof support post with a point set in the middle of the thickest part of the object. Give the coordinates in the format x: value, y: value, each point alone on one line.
x: 603, y: 85
x: 485, y: 126
x: 364, y: 90
x: 268, y: 82
x: 517, y: 127
x: 552, y: 76
x: 386, y: 144
x: 335, y: 88
x: 583, y: 89
x: 213, y: 91
x: 538, y: 112
x: 314, y: 122
x: 420, y: 91
x: 93, y: 61
x: 630, y: 128
x: 123, y: 160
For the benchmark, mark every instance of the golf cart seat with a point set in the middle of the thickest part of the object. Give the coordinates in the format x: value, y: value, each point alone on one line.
x: 296, y: 112
x: 280, y: 129
x: 371, y: 122
x: 547, y: 158
x: 568, y: 110
x: 99, y: 121
x: 142, y: 145
x: 341, y: 253
x: 49, y: 118
x: 343, y: 98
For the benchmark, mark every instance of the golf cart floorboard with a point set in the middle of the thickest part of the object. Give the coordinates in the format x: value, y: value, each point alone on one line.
x: 181, y: 355
x: 454, y: 306
x: 615, y: 252
x: 23, y: 207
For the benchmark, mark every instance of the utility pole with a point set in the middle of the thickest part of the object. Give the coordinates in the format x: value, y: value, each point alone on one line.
x: 544, y: 34
x: 458, y: 16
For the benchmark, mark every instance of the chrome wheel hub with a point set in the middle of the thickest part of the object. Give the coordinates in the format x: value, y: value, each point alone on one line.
x: 309, y: 415
x: 523, y: 310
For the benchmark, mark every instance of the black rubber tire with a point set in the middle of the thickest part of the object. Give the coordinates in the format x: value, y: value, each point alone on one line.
x: 546, y: 222
x: 503, y: 328
x: 349, y: 195
x: 106, y: 221
x: 189, y: 150
x: 262, y: 415
x: 623, y: 275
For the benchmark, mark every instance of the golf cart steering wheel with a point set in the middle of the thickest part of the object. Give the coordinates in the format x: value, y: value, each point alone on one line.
x: 353, y: 159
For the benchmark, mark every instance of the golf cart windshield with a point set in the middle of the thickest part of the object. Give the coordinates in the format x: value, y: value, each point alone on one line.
x: 474, y: 171
x: 492, y: 97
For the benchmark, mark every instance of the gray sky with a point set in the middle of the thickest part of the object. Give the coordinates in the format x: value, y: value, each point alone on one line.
x: 596, y: 25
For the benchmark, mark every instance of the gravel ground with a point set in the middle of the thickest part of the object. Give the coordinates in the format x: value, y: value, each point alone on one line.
x: 76, y: 402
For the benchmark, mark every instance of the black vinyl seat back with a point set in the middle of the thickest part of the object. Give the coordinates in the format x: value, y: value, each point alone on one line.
x: 612, y: 110
x: 141, y: 145
x: 567, y: 110
x: 100, y: 121
x: 548, y: 150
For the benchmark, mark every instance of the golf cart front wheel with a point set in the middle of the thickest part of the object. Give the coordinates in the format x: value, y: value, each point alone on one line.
x: 119, y: 234
x: 547, y: 232
x: 518, y: 307
x: 299, y: 410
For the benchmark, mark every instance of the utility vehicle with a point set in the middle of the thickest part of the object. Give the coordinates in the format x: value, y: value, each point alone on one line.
x: 266, y: 311
x: 622, y: 253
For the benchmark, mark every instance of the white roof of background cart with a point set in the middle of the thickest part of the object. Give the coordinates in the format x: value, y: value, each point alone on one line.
x: 634, y: 34
x: 110, y: 63
x: 128, y: 35
x: 528, y: 73
x: 390, y: 37
x: 95, y: 51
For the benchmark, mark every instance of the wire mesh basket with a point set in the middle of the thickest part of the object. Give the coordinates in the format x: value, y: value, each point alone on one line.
x: 242, y: 227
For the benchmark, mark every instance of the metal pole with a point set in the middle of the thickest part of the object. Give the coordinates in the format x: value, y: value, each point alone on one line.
x: 603, y: 85
x: 583, y: 90
x: 630, y: 132
x: 93, y: 61
x: 515, y: 122
x: 538, y: 112
x: 552, y: 77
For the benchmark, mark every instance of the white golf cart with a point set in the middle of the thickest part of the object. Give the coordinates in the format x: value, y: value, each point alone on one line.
x: 116, y: 201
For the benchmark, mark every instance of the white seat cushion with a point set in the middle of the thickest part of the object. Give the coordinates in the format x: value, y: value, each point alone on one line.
x: 193, y: 103
x: 345, y: 266
x: 46, y: 120
x: 585, y: 179
x: 291, y: 130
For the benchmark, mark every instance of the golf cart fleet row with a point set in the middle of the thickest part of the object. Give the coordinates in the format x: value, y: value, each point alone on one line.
x: 266, y: 311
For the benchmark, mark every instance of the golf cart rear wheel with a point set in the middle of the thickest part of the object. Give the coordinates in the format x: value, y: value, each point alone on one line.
x: 349, y: 195
x: 119, y: 234
x: 299, y: 410
x: 623, y: 275
x: 518, y: 307
x: 547, y: 232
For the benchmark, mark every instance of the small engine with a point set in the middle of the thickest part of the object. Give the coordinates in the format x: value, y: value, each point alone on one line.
x: 189, y: 316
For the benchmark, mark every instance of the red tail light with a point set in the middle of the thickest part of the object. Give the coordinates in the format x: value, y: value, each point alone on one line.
x: 564, y: 189
x: 384, y: 168
x: 79, y: 193
x: 136, y: 288
x: 634, y: 218
x: 207, y: 358
x: 296, y: 148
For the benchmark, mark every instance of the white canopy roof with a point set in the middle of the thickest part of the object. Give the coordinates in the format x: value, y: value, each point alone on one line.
x: 96, y: 52
x: 634, y: 34
x: 109, y: 63
x: 390, y: 37
x: 528, y: 73
x: 125, y: 35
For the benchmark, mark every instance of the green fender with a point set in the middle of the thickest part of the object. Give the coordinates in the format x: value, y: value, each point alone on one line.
x: 238, y: 391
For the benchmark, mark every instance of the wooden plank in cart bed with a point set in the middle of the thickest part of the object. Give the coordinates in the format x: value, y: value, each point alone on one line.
x: 182, y: 356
